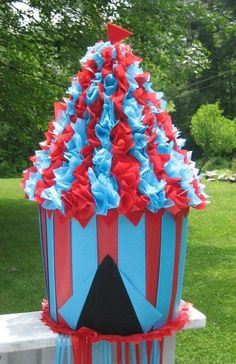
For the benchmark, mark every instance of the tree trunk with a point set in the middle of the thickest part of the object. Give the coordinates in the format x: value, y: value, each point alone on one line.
x: 204, y: 160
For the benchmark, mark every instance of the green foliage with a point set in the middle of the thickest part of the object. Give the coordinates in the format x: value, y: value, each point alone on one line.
x: 188, y: 47
x: 212, y: 132
x: 233, y: 165
x: 217, y: 163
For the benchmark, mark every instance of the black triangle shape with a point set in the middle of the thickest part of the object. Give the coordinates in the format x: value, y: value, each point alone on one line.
x: 108, y: 308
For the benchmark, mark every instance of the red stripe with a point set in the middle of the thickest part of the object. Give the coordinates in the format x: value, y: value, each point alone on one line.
x: 76, y: 348
x: 161, y: 343
x: 153, y: 244
x: 44, y: 238
x: 119, y: 360
x: 107, y: 236
x: 84, y: 349
x: 178, y: 223
x: 126, y: 353
x: 90, y: 352
x: 137, y: 353
x: 62, y: 251
x: 149, y: 351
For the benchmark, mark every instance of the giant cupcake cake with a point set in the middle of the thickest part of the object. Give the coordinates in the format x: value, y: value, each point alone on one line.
x: 114, y: 187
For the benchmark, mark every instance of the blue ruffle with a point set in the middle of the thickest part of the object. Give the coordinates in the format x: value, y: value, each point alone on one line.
x: 149, y: 184
x: 64, y: 116
x: 134, y: 69
x: 133, y: 111
x: 194, y: 199
x: 159, y: 95
x: 110, y: 84
x: 79, y: 128
x: 177, y: 168
x: 102, y: 162
x: 154, y: 189
x: 92, y: 94
x: 104, y: 190
x: 94, y: 53
x: 106, y: 123
x: 61, y: 123
x: 53, y: 200
x: 165, y: 148
x: 180, y: 143
x: 161, y: 137
x: 140, y: 140
x: 143, y: 159
x: 30, y: 184
x: 43, y: 160
x: 64, y: 175
x: 98, y: 77
x: 133, y: 85
x: 103, y: 186
x: 74, y: 91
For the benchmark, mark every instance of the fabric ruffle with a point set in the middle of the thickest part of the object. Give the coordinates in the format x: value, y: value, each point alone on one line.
x: 84, y: 345
x: 112, y: 145
x: 167, y: 330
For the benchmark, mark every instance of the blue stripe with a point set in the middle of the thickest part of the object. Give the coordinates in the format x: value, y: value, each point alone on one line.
x: 155, y: 357
x: 69, y: 348
x: 143, y: 352
x: 181, y: 265
x: 132, y: 353
x: 109, y: 352
x: 131, y: 252
x: 146, y: 313
x: 84, y: 252
x: 42, y: 251
x: 158, y: 348
x: 63, y: 348
x: 100, y: 352
x: 104, y: 351
x: 58, y: 349
x: 123, y: 353
x: 51, y: 267
x: 132, y: 267
x: 94, y: 353
x: 84, y: 266
x: 166, y: 267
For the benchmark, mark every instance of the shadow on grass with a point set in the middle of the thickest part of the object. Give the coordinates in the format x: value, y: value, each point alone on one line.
x: 20, y: 271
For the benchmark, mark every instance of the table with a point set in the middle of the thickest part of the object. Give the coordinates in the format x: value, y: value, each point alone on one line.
x: 24, y: 339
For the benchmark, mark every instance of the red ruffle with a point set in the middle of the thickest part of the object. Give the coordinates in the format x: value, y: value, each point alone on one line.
x: 93, y: 336
x: 78, y: 200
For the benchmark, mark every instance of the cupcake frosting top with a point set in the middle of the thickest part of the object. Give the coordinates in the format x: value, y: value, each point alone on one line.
x: 112, y: 146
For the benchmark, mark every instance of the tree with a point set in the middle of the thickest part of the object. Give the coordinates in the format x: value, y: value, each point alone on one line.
x: 213, y: 24
x: 212, y: 132
x: 183, y: 44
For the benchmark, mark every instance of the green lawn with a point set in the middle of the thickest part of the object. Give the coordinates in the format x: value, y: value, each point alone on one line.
x: 20, y: 270
x: 210, y: 281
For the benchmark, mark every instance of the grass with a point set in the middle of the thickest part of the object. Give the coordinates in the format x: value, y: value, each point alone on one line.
x: 20, y: 269
x: 210, y: 280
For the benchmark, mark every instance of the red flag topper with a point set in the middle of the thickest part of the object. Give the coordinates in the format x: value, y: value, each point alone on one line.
x: 116, y: 33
